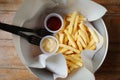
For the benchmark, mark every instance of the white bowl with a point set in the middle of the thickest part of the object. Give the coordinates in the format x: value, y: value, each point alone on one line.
x: 24, y: 48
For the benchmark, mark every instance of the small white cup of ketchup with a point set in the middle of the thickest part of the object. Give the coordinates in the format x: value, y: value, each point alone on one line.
x: 53, y: 22
x: 49, y: 44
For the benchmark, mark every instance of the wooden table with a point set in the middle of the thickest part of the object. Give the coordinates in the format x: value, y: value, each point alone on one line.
x: 11, y: 68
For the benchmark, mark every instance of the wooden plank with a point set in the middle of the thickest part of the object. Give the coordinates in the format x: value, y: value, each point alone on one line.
x: 12, y: 5
x: 111, y: 63
x: 7, y: 17
x: 6, y: 42
x: 108, y: 2
x: 5, y: 35
x: 9, y: 58
x: 16, y: 74
x: 113, y: 48
x: 113, y: 27
x: 107, y: 76
x: 112, y: 9
x: 11, y: 1
x: 9, y: 7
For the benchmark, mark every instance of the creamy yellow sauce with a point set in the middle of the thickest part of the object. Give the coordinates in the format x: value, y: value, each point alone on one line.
x: 49, y: 45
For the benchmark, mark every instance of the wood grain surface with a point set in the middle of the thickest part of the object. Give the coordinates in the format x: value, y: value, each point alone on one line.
x: 11, y: 67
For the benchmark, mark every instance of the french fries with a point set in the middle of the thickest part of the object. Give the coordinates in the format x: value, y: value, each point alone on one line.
x: 72, y: 20
x: 74, y: 38
x: 70, y: 38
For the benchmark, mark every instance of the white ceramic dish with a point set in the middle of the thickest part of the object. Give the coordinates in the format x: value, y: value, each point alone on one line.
x: 24, y: 48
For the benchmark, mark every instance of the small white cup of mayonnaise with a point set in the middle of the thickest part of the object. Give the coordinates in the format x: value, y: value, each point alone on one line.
x: 49, y: 44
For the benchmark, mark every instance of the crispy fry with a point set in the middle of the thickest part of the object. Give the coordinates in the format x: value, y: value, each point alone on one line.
x: 95, y: 37
x: 72, y: 22
x: 81, y: 25
x: 68, y: 52
x: 90, y: 44
x: 76, y: 24
x: 72, y: 64
x: 70, y: 38
x: 73, y: 57
x: 68, y: 19
x: 83, y: 36
x: 84, y: 29
x: 65, y: 40
x: 93, y: 47
x: 82, y: 18
x: 69, y: 43
x: 61, y: 37
x: 76, y: 57
x: 79, y: 45
x: 69, y: 15
x: 57, y: 37
x: 69, y: 48
x: 62, y: 50
x: 73, y: 61
x: 76, y: 35
x: 81, y: 41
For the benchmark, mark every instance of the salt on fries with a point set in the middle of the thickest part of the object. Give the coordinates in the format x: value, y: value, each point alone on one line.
x: 74, y: 38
